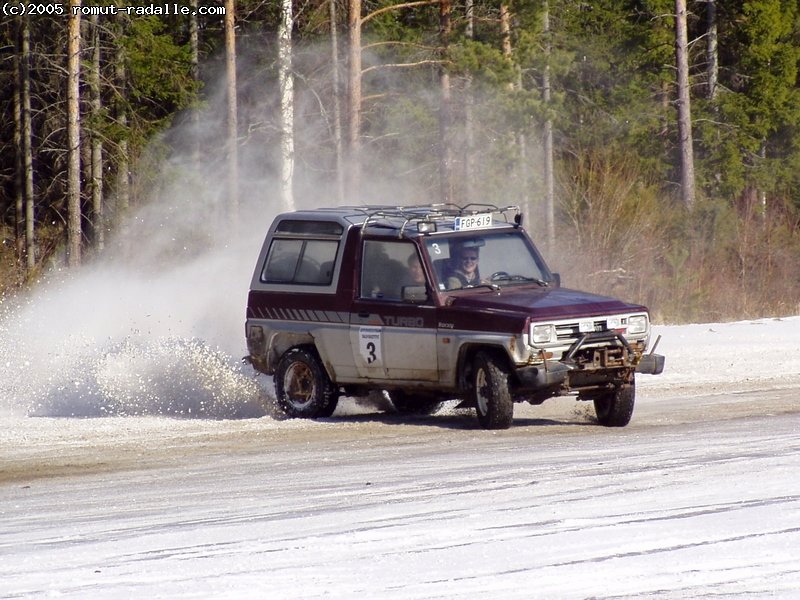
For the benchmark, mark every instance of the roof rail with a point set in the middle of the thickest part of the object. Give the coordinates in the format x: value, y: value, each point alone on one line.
x: 400, y: 217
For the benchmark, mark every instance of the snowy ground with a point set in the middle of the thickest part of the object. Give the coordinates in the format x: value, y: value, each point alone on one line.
x: 697, y: 497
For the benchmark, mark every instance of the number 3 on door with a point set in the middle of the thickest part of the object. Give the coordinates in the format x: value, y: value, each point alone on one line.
x: 370, y: 345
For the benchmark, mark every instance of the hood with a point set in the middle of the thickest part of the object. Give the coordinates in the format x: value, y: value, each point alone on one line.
x: 543, y: 303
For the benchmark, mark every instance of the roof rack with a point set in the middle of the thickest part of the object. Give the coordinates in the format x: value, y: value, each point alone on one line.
x: 400, y: 217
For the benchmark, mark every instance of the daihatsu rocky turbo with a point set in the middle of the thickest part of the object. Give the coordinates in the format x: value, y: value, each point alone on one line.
x: 434, y: 303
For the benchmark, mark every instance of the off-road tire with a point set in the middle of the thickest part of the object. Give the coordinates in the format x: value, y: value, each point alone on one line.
x: 491, y: 392
x: 615, y: 408
x: 302, y: 387
x: 413, y: 404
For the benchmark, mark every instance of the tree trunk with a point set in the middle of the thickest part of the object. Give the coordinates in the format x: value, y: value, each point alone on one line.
x: 505, y: 30
x: 27, y: 144
x: 122, y: 187
x: 712, y: 55
x: 549, y: 178
x: 445, y: 151
x: 286, y: 83
x: 97, y: 142
x: 521, y: 171
x: 233, y: 119
x: 762, y: 194
x: 469, y: 103
x: 19, y: 198
x: 337, y: 105
x: 684, y: 106
x: 73, y: 137
x: 194, y: 50
x: 353, y: 181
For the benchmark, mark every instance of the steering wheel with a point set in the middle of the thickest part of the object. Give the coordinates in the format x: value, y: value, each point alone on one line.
x: 498, y: 275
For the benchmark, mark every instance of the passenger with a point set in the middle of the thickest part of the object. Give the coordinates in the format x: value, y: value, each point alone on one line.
x: 465, y: 271
x: 416, y: 276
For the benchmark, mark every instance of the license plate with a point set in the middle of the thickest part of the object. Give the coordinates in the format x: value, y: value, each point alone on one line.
x: 473, y: 222
x: 586, y: 326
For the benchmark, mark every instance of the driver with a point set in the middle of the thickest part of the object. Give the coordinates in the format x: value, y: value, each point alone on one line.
x: 465, y: 271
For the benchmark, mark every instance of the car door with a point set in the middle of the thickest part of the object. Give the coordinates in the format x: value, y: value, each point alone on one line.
x: 392, y: 338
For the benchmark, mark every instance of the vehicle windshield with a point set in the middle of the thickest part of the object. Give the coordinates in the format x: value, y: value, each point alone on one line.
x: 502, y: 258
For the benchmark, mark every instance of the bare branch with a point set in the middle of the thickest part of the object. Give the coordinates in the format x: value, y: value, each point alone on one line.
x: 403, y: 65
x: 391, y: 43
x: 380, y: 11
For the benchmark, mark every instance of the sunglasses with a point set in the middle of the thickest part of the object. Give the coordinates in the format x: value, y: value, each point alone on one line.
x: 469, y: 259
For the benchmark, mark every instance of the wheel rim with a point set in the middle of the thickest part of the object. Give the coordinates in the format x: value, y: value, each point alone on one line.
x: 298, y: 384
x: 481, y: 398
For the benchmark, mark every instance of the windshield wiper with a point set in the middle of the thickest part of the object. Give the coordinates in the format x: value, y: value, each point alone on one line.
x: 541, y: 282
x: 492, y: 286
x: 507, y: 277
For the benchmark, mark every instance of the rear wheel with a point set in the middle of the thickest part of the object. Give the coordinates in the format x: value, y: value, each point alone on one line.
x: 302, y: 387
x: 492, y: 393
x: 615, y: 408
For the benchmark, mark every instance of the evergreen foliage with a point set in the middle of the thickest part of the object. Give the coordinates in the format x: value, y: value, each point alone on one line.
x: 611, y: 68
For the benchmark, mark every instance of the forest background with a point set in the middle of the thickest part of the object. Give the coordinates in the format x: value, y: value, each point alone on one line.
x: 653, y: 167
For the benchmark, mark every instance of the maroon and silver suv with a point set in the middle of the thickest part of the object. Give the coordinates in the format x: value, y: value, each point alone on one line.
x: 433, y: 303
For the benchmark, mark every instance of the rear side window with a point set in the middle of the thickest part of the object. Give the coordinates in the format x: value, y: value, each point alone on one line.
x: 318, y: 228
x: 300, y: 261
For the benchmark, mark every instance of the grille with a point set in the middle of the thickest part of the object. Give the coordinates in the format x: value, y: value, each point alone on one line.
x: 569, y: 332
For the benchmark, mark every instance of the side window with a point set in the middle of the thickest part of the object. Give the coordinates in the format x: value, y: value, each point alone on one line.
x: 387, y: 267
x: 439, y: 252
x: 294, y: 261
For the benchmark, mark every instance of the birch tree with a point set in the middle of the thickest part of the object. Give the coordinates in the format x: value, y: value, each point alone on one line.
x: 286, y: 84
x: 73, y: 137
x: 712, y: 54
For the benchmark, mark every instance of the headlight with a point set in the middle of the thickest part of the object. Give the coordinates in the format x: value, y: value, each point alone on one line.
x: 543, y: 334
x: 637, y: 324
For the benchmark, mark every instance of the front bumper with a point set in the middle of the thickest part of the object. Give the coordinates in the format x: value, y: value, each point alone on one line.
x: 552, y: 374
x: 651, y: 364
x: 611, y: 354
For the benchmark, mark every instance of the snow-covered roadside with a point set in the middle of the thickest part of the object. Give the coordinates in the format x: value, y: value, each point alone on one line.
x: 726, y: 357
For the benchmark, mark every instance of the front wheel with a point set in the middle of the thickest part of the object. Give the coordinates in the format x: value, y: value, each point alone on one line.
x: 302, y: 386
x: 615, y: 408
x: 491, y: 388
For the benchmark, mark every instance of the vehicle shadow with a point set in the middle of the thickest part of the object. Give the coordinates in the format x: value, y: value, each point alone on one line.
x: 461, y: 419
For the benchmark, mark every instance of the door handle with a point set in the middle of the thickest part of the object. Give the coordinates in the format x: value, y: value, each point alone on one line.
x: 363, y: 315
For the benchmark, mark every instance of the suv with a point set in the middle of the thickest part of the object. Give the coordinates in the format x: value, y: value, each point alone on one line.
x: 433, y: 303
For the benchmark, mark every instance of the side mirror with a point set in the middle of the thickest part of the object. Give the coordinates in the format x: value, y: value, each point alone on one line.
x: 556, y: 281
x: 415, y: 294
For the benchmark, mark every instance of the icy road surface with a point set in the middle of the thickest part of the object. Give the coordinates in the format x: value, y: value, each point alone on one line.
x: 698, y: 497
